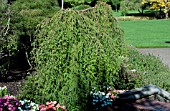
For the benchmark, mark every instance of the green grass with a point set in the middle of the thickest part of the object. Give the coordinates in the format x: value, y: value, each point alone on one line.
x: 146, y: 33
x: 117, y: 14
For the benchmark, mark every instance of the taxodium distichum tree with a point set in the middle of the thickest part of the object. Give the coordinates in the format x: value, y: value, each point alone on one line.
x: 75, y: 51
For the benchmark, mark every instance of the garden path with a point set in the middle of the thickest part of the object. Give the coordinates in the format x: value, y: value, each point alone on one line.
x: 162, y: 53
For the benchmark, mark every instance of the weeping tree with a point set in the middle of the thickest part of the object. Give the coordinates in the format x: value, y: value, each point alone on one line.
x: 74, y: 52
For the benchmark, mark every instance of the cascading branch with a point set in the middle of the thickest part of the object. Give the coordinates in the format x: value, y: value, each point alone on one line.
x: 75, y: 51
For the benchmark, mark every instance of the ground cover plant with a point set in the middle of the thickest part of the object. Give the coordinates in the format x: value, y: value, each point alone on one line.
x: 72, y: 59
x: 146, y: 33
x: 151, y: 69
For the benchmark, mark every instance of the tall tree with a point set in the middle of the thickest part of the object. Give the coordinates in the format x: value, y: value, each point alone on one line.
x: 115, y: 3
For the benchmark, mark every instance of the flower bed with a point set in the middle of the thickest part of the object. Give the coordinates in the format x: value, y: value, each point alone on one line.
x: 10, y: 103
x: 105, y: 98
x: 98, y: 100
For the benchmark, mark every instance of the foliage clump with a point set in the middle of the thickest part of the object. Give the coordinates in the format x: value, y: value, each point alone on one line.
x: 18, y: 21
x: 74, y: 52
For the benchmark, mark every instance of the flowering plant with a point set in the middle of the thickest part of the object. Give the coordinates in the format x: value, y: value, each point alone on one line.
x: 9, y: 103
x: 3, y: 91
x: 52, y: 106
x: 27, y: 105
x: 105, y: 98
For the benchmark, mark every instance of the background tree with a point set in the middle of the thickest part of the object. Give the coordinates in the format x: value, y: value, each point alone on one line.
x: 162, y: 6
x: 115, y: 3
x: 19, y: 20
x: 126, y: 5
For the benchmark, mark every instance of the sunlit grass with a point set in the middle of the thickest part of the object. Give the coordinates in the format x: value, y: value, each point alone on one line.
x: 146, y: 33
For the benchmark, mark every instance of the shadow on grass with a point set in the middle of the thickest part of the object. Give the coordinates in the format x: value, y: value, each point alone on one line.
x: 151, y: 14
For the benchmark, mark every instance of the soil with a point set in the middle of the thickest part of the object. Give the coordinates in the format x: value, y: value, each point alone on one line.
x: 13, y: 81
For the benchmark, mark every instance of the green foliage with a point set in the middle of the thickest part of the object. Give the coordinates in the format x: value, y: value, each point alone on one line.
x: 74, y: 52
x: 78, y: 2
x: 3, y: 91
x: 126, y: 5
x: 151, y: 68
x: 81, y: 7
x: 19, y: 21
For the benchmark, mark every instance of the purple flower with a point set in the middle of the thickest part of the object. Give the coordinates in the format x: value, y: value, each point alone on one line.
x: 1, y: 109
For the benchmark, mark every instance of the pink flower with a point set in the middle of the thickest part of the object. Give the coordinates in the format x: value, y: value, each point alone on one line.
x: 42, y: 109
x: 48, y: 103
x: 112, y: 96
x: 54, y: 102
x: 9, y: 97
x: 63, y: 108
x: 53, y: 109
x: 49, y: 106
x: 42, y: 106
x: 58, y: 106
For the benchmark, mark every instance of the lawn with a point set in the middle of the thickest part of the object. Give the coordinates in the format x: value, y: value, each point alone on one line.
x: 146, y: 33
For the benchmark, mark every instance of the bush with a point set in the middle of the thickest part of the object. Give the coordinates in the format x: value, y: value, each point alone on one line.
x: 74, y: 52
x: 19, y: 21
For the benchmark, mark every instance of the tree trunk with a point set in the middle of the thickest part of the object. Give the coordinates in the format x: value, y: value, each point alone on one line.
x: 62, y: 4
x: 166, y: 9
x: 166, y: 14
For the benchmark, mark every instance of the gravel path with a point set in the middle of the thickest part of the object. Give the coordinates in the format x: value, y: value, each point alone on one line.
x: 162, y: 53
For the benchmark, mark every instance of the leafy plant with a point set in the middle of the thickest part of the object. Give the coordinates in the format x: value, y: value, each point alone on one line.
x: 71, y: 59
x: 3, y: 91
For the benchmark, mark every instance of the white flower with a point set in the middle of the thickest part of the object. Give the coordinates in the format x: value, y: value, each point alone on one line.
x: 133, y: 70
x: 3, y: 88
x: 22, y: 102
x: 32, y: 104
x: 102, y: 93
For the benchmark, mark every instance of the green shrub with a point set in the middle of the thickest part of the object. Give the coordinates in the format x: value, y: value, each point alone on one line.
x: 74, y: 52
x: 18, y: 23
